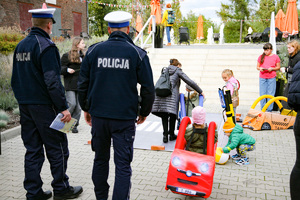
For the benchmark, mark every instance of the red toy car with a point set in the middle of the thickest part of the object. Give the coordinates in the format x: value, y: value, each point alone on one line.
x: 192, y: 173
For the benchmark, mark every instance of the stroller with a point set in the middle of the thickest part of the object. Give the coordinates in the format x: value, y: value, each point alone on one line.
x: 184, y: 35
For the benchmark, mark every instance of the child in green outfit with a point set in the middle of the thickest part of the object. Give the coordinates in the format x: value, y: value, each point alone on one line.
x: 239, y: 140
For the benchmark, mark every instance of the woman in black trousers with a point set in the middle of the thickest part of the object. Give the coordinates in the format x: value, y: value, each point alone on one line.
x: 167, y: 107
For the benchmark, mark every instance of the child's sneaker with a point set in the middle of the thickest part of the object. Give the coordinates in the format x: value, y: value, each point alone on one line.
x: 242, y: 161
x: 236, y: 157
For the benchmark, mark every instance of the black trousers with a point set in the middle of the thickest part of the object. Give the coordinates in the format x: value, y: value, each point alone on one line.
x: 122, y: 133
x: 168, y: 122
x: 36, y: 135
x: 295, y: 175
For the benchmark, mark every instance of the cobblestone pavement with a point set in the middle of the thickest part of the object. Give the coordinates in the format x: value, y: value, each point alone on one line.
x: 267, y: 176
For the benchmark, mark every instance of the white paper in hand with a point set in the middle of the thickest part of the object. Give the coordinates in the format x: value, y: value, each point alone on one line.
x: 57, y: 124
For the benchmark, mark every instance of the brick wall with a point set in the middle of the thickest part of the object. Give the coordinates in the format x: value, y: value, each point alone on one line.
x: 10, y: 14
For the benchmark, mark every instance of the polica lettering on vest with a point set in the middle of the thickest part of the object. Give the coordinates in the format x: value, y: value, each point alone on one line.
x: 23, y: 56
x: 121, y: 63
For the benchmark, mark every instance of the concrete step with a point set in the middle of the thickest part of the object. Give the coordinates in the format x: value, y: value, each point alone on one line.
x: 205, y: 66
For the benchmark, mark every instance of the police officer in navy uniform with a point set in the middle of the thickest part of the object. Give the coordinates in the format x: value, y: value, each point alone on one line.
x: 108, y: 95
x: 38, y: 89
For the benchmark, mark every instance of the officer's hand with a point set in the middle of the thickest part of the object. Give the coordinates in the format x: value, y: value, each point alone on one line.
x: 141, y: 119
x: 88, y: 118
x: 70, y: 71
x: 66, y: 117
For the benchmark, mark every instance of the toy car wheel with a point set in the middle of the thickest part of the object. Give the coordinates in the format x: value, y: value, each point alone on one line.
x: 266, y: 126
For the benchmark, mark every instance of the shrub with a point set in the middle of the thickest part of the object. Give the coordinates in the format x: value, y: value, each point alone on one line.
x: 7, y: 99
x: 16, y: 111
x: 3, y: 116
x: 3, y: 124
x: 9, y: 38
x: 284, y: 60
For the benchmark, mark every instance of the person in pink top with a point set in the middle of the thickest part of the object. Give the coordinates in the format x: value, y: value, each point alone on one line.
x: 267, y: 64
x: 231, y: 84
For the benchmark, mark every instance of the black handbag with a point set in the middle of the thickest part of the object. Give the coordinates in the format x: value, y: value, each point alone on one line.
x: 163, y: 86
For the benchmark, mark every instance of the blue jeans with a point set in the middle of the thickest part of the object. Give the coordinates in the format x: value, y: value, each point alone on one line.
x: 168, y: 29
x: 267, y: 86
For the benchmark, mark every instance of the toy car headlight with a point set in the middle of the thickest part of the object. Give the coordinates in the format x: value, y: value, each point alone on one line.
x: 176, y: 161
x: 204, y: 167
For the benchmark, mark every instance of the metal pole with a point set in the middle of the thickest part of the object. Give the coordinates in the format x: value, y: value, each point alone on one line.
x: 241, y: 30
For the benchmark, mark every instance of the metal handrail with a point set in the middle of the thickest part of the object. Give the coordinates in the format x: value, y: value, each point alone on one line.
x: 152, y: 33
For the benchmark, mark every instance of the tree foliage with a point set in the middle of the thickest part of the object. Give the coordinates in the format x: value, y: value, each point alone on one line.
x: 97, y: 12
x: 233, y: 13
x: 266, y: 7
x: 281, y: 4
x: 178, y: 17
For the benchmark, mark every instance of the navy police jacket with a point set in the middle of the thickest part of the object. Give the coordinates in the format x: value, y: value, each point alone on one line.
x: 36, y: 71
x: 109, y: 74
x: 294, y: 89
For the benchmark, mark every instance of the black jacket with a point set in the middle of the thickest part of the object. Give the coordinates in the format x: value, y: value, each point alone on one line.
x: 294, y: 90
x: 36, y: 71
x: 70, y: 80
x: 108, y: 79
x: 292, y: 62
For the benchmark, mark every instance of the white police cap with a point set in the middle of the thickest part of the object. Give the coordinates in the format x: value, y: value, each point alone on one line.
x: 43, y: 13
x: 118, y: 19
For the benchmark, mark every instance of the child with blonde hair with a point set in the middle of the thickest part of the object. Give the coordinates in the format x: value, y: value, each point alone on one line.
x: 233, y: 85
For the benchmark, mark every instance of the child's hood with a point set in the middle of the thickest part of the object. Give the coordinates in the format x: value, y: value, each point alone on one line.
x: 238, y: 129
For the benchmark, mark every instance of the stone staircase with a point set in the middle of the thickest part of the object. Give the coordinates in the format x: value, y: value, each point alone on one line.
x: 205, y: 63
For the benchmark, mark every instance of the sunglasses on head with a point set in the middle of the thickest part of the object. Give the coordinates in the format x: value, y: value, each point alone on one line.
x: 266, y: 48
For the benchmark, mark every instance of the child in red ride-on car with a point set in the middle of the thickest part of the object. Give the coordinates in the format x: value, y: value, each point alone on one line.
x: 196, y: 133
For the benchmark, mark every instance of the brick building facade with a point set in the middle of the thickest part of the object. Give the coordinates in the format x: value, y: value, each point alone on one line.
x: 69, y: 14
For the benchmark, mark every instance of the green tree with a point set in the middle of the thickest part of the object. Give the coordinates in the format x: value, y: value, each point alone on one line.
x: 178, y: 17
x: 232, y: 14
x: 266, y: 7
x: 97, y: 12
x: 191, y: 21
x: 281, y: 4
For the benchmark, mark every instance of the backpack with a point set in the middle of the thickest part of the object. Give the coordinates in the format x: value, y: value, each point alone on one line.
x: 171, y: 17
x: 163, y: 86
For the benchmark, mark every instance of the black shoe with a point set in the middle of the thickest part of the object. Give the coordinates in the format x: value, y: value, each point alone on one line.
x: 165, y: 139
x: 72, y: 193
x: 46, y: 195
x: 173, y: 137
x: 75, y: 130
